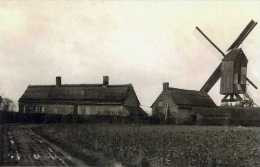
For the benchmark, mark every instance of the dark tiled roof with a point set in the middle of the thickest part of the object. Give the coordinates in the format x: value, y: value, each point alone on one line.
x: 93, y: 93
x: 190, y: 97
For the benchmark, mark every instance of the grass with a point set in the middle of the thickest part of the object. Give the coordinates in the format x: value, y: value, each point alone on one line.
x: 157, y: 145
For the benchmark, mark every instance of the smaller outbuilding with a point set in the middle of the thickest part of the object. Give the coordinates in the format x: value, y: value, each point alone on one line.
x: 175, y: 105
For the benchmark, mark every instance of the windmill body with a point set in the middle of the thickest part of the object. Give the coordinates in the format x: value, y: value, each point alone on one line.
x: 232, y: 71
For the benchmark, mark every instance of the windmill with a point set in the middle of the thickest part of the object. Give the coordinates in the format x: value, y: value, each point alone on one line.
x: 232, y: 71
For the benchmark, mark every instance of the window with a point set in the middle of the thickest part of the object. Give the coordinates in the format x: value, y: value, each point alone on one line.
x: 160, y: 104
x: 42, y: 109
x: 24, y: 108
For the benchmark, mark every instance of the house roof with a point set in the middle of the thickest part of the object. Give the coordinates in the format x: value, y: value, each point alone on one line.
x: 86, y: 93
x: 192, y: 98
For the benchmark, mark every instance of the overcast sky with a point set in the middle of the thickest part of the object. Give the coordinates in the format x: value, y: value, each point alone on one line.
x: 140, y: 42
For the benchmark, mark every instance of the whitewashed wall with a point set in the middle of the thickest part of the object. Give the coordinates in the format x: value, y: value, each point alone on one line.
x: 48, y: 108
x: 117, y: 110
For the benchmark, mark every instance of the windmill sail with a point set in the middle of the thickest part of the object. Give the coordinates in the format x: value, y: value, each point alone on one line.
x: 217, y: 73
x: 214, y: 45
x: 243, y: 35
x: 212, y: 80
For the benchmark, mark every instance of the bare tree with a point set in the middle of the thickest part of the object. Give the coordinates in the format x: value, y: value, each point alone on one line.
x: 7, y: 104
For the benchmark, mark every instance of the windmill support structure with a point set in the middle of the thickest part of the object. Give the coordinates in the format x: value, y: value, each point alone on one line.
x: 243, y: 100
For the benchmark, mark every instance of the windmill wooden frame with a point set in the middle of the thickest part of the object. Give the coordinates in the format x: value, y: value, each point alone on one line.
x: 232, y: 71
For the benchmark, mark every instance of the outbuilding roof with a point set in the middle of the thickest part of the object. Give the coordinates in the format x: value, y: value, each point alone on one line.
x: 189, y: 98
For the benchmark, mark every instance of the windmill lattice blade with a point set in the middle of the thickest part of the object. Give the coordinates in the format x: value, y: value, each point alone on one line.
x: 251, y: 83
x: 212, y: 80
x: 215, y: 46
x: 243, y: 35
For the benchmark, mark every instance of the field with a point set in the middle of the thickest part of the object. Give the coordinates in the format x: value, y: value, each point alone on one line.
x: 157, y: 145
x: 20, y: 146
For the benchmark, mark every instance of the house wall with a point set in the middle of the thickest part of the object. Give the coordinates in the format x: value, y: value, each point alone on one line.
x: 58, y: 109
x: 158, y: 109
x: 109, y: 110
x: 47, y: 108
x: 185, y: 116
x: 118, y: 110
x: 176, y: 114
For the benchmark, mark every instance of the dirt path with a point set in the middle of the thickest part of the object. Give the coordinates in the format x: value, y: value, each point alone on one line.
x: 22, y: 147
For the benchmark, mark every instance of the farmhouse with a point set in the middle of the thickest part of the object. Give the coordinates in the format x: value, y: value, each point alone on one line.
x: 85, y: 99
x: 175, y: 105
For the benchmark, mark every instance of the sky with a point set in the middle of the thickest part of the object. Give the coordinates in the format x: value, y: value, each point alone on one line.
x: 144, y: 42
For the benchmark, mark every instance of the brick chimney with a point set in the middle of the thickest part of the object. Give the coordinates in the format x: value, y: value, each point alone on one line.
x: 165, y: 86
x: 58, y: 81
x: 105, y: 80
